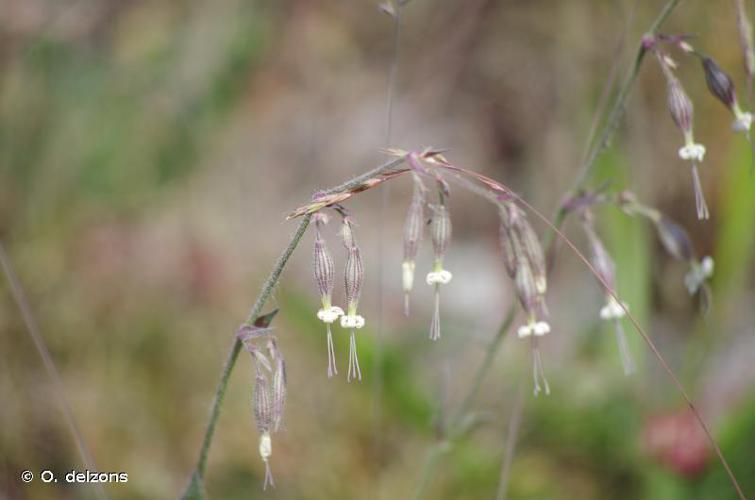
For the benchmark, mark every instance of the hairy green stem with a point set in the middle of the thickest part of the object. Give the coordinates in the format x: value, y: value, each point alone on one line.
x: 195, y: 489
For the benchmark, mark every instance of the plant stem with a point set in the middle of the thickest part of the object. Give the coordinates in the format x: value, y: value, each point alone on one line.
x: 608, y: 130
x: 515, y: 419
x: 32, y: 327
x: 196, y: 486
x: 195, y: 489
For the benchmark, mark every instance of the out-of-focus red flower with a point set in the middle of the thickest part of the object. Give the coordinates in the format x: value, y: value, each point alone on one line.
x: 677, y: 441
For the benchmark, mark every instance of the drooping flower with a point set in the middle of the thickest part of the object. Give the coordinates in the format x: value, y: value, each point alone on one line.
x: 441, y: 236
x: 525, y: 264
x: 722, y: 87
x: 268, y: 400
x: 682, y: 113
x: 412, y: 237
x: 353, y: 277
x: 613, y: 310
x: 325, y: 279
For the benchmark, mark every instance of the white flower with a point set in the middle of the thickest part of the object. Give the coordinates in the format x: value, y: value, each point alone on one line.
x: 706, y: 266
x: 698, y: 274
x: 330, y: 314
x: 441, y: 277
x: 742, y: 121
x: 266, y: 446
x: 408, y: 275
x: 537, y: 329
x: 612, y: 309
x: 692, y: 151
x: 352, y: 321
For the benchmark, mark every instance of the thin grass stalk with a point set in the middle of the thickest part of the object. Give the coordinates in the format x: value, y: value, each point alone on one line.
x: 515, y: 420
x: 32, y: 328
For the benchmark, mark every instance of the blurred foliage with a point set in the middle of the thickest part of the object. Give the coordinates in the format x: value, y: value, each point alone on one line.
x: 148, y: 152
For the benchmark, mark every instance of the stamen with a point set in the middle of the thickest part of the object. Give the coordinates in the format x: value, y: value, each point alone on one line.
x: 268, y: 476
x: 435, y: 324
x: 538, y: 373
x: 702, y: 207
x: 354, y: 371
x: 331, y: 355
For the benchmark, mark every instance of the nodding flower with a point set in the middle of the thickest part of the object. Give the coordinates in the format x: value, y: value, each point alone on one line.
x: 525, y: 264
x: 699, y: 273
x: 353, y: 277
x: 325, y: 279
x: 613, y: 310
x: 722, y: 87
x: 682, y: 113
x: 268, y: 401
x: 412, y: 237
x: 441, y: 236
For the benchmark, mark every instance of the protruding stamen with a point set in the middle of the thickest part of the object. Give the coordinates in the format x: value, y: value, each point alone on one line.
x: 354, y: 371
x: 702, y: 207
x: 331, y: 355
x: 268, y: 476
x: 538, y: 373
x: 435, y: 323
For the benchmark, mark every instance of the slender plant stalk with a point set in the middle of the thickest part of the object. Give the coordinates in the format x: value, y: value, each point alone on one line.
x: 608, y: 130
x: 32, y: 327
x: 515, y: 421
x: 377, y: 384
x: 195, y: 489
x: 434, y: 455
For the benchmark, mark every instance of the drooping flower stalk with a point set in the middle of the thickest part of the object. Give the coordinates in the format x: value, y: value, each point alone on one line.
x: 525, y: 264
x: 412, y: 237
x: 677, y: 243
x: 353, y: 278
x: 606, y: 269
x: 263, y: 418
x: 325, y: 279
x: 441, y: 236
x: 268, y: 399
x: 682, y: 112
x: 722, y: 87
x: 278, y: 390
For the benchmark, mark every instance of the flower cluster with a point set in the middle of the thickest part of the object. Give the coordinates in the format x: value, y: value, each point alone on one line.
x: 441, y: 236
x: 720, y: 85
x: 324, y: 271
x: 613, y: 310
x: 269, y: 392
x: 677, y: 243
x: 525, y: 264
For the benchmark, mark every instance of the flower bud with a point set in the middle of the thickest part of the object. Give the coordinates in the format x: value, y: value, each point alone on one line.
x: 719, y: 83
x: 413, y: 227
x: 353, y: 277
x: 324, y: 270
x: 441, y: 230
x: 679, y: 105
x: 674, y: 239
x: 278, y: 391
x: 412, y: 237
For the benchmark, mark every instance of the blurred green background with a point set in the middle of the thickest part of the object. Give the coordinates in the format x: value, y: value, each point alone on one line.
x: 150, y: 150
